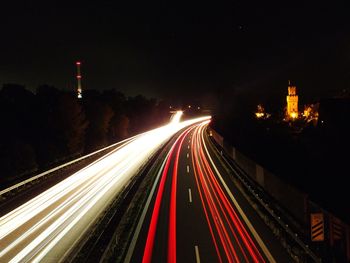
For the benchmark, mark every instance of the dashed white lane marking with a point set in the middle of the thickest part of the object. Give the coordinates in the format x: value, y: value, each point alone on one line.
x: 188, y: 155
x: 188, y: 147
x: 188, y: 168
x: 190, y: 195
x: 189, y: 141
x: 198, y: 259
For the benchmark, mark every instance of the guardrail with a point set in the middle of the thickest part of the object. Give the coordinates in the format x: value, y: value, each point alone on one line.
x: 292, y: 206
x: 104, y: 238
x: 265, y: 208
x: 39, y: 176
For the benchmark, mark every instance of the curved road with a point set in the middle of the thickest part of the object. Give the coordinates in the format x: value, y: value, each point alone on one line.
x: 195, y: 213
x: 49, y: 225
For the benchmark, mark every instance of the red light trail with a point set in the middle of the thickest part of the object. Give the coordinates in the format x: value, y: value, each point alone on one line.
x: 232, y: 240
x: 147, y: 257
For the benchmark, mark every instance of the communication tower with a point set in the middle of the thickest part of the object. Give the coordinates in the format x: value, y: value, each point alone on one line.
x: 79, y: 89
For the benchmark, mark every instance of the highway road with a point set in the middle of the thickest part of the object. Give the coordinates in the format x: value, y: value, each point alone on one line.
x: 45, y: 228
x: 195, y: 213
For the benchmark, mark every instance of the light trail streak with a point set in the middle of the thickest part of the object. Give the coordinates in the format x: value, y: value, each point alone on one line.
x: 2, y: 192
x: 231, y: 238
x: 147, y: 256
x: 143, y: 215
x: 172, y: 212
x: 148, y: 251
x: 239, y: 209
x: 176, y: 117
x: 222, y: 219
x: 47, y: 226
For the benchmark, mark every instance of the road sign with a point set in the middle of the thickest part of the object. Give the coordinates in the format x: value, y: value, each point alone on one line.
x: 336, y: 229
x: 317, y: 227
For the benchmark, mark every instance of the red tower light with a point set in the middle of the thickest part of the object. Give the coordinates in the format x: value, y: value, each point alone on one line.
x: 79, y: 89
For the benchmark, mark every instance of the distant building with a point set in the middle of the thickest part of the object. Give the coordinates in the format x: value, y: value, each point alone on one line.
x: 310, y: 113
x: 292, y: 103
x: 260, y: 113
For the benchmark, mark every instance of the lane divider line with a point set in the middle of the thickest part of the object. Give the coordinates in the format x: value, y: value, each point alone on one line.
x: 188, y: 155
x: 147, y: 255
x: 201, y: 195
x: 198, y: 259
x: 172, y: 210
x: 188, y: 168
x: 190, y: 195
x: 143, y: 215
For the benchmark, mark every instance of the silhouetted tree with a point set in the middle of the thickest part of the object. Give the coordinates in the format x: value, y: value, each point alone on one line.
x: 51, y: 126
x: 17, y: 112
x: 62, y: 125
x: 16, y: 159
x: 161, y: 113
x: 99, y: 116
x: 118, y: 129
x: 17, y: 156
x: 140, y: 112
x: 115, y: 99
x: 70, y: 124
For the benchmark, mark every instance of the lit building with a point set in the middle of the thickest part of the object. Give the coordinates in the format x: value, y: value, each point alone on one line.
x: 310, y: 113
x: 292, y: 103
x: 260, y: 113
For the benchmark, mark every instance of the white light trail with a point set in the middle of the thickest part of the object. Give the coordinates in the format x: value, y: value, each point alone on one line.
x: 47, y: 226
x: 176, y: 117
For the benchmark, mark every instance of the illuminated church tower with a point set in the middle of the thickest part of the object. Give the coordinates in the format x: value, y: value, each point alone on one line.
x: 292, y: 102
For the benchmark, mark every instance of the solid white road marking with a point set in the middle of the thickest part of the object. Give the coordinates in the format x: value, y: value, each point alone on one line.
x: 240, y: 210
x: 143, y: 215
x: 190, y: 195
x: 198, y: 259
x: 188, y: 168
x: 69, y: 163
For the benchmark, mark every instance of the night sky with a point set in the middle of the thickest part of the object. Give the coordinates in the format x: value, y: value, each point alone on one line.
x: 178, y: 49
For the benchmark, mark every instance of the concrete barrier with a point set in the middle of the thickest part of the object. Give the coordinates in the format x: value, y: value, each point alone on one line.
x: 295, y: 202
x: 260, y: 176
x: 291, y: 199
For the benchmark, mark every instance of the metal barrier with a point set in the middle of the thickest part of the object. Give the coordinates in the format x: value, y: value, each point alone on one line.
x: 335, y: 244
x: 41, y: 175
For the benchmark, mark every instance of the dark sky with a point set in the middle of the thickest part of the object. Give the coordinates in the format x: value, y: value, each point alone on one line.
x: 178, y: 49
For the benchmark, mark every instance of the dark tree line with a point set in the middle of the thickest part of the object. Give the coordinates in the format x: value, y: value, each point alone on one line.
x: 51, y: 126
x: 315, y: 159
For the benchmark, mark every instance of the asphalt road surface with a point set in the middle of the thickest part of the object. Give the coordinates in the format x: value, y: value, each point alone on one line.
x: 195, y: 213
x: 46, y: 227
